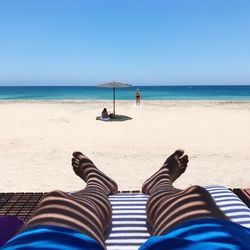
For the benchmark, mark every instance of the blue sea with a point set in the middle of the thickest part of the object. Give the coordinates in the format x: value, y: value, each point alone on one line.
x: 237, y: 93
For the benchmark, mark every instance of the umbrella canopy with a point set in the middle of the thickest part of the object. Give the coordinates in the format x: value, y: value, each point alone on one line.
x: 114, y: 85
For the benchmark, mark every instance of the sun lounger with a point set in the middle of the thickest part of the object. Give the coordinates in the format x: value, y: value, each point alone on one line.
x: 128, y: 229
x: 244, y: 194
x: 231, y: 205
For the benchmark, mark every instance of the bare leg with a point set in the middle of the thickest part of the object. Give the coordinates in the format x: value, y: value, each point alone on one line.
x: 167, y: 206
x: 87, y: 211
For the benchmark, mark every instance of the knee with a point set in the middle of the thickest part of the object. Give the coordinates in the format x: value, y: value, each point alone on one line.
x: 196, y: 189
x: 54, y: 194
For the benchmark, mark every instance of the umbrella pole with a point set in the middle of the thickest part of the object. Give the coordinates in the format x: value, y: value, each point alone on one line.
x: 114, y: 101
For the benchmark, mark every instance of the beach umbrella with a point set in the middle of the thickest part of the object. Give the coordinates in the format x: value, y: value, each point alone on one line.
x: 114, y: 85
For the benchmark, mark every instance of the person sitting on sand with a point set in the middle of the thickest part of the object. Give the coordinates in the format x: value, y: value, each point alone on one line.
x: 137, y: 97
x: 105, y: 113
x: 180, y: 219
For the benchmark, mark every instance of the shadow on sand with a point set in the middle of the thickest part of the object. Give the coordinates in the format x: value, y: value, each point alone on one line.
x: 117, y: 118
x: 120, y: 118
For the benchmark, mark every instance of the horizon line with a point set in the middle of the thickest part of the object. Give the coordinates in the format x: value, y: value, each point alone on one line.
x: 140, y: 85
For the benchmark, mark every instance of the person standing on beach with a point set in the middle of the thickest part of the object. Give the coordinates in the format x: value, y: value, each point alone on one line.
x: 138, y: 97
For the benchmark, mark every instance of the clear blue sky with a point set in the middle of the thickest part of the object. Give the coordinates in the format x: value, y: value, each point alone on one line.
x: 85, y: 42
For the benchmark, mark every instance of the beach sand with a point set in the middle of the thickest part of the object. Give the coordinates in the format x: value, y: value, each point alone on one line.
x: 38, y: 138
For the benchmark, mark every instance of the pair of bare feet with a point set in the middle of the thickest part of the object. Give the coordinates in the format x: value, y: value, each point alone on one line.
x: 174, y: 165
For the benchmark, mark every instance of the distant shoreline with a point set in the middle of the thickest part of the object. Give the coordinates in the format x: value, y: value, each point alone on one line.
x: 242, y: 104
x: 135, y: 86
x: 122, y: 101
x: 82, y: 93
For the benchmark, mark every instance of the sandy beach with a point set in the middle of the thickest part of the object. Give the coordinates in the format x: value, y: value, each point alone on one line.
x: 38, y: 137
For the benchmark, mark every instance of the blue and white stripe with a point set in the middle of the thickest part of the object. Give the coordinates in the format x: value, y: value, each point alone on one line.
x: 129, y: 228
x: 231, y: 205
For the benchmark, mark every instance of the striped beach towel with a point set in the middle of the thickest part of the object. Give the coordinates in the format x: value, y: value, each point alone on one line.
x: 129, y: 227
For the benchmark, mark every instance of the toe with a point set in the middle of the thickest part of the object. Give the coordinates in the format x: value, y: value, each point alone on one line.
x: 75, y: 165
x: 74, y: 161
x: 78, y: 155
x: 81, y: 158
x: 179, y: 152
x: 184, y: 159
x: 183, y: 162
x: 183, y: 170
